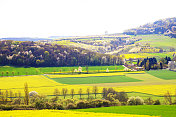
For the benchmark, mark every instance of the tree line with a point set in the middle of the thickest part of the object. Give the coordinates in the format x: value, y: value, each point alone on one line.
x: 28, y: 53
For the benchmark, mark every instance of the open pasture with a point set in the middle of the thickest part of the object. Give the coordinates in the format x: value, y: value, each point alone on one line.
x: 94, y: 80
x: 157, y: 41
x: 163, y: 74
x: 18, y: 71
x: 151, y: 110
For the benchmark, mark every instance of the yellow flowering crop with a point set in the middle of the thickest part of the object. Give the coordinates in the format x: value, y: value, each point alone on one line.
x: 61, y: 113
x: 33, y: 81
x: 149, y: 89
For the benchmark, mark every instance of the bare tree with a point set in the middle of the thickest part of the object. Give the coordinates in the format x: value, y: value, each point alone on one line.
x: 64, y: 92
x: 6, y: 95
x: 11, y: 95
x: 72, y: 92
x: 95, y: 90
x: 26, y: 93
x: 56, y: 92
x: 80, y: 92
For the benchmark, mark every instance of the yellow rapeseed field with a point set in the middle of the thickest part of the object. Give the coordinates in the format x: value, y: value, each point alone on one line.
x: 149, y: 89
x: 61, y: 113
x: 33, y: 81
x: 46, y: 86
x: 127, y: 56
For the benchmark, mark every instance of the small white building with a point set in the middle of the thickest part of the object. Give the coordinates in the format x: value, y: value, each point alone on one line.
x: 172, y: 65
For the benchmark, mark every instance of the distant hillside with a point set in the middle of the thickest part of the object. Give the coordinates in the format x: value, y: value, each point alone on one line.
x: 163, y: 26
x: 28, y: 53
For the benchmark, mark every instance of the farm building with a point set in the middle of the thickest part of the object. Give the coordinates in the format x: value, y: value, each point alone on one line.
x: 172, y: 65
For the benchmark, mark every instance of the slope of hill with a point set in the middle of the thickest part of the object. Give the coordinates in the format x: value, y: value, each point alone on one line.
x: 27, y: 53
x: 163, y: 26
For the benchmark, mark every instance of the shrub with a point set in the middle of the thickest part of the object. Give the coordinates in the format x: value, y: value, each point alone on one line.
x: 16, y: 101
x: 149, y: 101
x: 135, y: 101
x: 111, y: 97
x: 115, y: 103
x: 71, y: 106
x: 156, y: 102
x: 65, y: 102
x: 23, y: 107
x: 57, y: 106
x: 6, y: 107
x: 139, y: 101
x: 39, y: 105
x: 106, y: 103
x: 96, y: 103
x: 131, y: 101
x: 48, y: 105
x: 54, y: 99
x: 82, y: 104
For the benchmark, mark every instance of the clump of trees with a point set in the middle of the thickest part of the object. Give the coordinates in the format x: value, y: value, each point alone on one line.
x: 42, y: 55
x: 163, y: 26
x: 151, y: 63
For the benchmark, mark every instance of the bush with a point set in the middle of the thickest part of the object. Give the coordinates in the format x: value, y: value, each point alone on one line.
x: 111, y: 97
x: 48, y: 105
x: 65, y: 102
x: 6, y: 107
x: 131, y: 101
x: 115, y: 103
x: 157, y: 102
x: 16, y: 101
x: 95, y: 103
x: 149, y: 101
x: 106, y: 103
x: 23, y: 107
x: 71, y: 106
x: 139, y: 101
x: 57, y: 106
x: 39, y: 105
x: 82, y: 104
x: 135, y: 101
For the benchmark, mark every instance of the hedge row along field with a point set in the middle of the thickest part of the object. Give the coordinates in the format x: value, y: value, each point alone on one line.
x: 61, y: 113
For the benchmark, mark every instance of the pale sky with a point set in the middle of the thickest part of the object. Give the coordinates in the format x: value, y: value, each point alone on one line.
x: 44, y: 18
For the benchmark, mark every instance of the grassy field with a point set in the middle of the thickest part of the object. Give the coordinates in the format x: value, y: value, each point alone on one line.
x: 61, y: 113
x: 42, y: 70
x: 149, y: 85
x: 163, y: 74
x: 18, y: 71
x: 94, y: 80
x: 158, y: 41
x: 152, y: 110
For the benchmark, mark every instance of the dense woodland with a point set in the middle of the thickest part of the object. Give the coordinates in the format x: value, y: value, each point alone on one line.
x: 164, y: 26
x: 28, y: 53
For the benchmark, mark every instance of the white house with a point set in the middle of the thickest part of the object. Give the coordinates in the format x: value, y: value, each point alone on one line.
x: 172, y: 65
